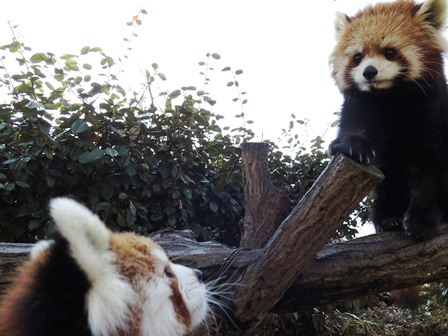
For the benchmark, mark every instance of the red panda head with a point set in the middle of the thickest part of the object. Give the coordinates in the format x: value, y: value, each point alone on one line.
x: 90, y: 281
x: 389, y: 43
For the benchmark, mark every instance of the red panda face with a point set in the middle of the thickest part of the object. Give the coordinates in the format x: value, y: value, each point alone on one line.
x: 90, y: 281
x: 389, y: 43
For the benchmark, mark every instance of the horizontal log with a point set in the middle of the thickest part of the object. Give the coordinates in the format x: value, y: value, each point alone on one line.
x: 344, y: 270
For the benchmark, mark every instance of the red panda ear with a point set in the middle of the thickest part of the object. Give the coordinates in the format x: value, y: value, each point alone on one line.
x: 340, y: 22
x: 433, y: 13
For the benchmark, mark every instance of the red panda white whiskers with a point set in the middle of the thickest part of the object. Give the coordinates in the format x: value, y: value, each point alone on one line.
x: 91, y: 281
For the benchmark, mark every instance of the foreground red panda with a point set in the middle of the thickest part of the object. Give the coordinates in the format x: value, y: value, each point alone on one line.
x: 388, y: 64
x: 90, y: 281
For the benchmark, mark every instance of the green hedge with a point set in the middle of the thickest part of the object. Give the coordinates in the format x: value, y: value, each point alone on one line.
x: 143, y: 160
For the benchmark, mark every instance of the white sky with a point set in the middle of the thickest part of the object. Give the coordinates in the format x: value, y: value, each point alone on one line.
x: 282, y: 47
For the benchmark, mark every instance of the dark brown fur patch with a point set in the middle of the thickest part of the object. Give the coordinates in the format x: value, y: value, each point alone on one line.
x: 182, y: 313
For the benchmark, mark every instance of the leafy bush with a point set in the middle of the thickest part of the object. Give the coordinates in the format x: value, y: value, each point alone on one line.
x: 62, y: 133
x: 143, y: 160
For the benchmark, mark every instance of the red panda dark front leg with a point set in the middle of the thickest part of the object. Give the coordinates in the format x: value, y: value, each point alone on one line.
x: 390, y: 201
x: 422, y: 218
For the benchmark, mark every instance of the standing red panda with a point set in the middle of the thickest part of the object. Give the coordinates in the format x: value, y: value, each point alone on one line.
x: 92, y: 282
x: 388, y: 64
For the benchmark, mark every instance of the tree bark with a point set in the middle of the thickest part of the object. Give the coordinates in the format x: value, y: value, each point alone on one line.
x: 11, y: 256
x: 264, y: 204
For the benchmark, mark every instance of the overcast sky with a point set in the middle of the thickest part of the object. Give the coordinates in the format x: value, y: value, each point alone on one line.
x: 282, y: 47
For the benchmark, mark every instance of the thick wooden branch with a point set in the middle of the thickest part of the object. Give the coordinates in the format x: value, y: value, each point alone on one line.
x: 371, y: 264
x: 335, y: 195
x: 265, y: 204
x: 345, y: 270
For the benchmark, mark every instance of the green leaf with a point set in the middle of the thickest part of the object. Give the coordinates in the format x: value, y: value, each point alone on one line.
x: 214, y: 206
x: 216, y: 56
x: 10, y: 161
x: 7, y: 186
x: 87, y: 66
x: 22, y: 184
x: 107, y: 191
x: 49, y: 85
x: 143, y: 11
x: 92, y: 156
x: 37, y: 58
x: 226, y: 69
x: 79, y: 126
x: 85, y: 50
x: 238, y: 72
x: 172, y: 220
x: 111, y: 152
x: 174, y: 171
x: 174, y: 94
x: 14, y: 47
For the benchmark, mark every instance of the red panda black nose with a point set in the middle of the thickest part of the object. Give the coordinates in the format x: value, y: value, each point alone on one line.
x: 370, y: 72
x: 199, y: 275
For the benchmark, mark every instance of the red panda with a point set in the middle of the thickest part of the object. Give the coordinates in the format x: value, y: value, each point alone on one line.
x: 388, y: 64
x: 90, y: 281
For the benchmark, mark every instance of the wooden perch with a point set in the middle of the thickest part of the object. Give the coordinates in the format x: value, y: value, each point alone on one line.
x: 333, y: 197
x: 366, y: 265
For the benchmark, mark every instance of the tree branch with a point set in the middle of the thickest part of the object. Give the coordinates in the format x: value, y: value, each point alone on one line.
x: 264, y: 204
x: 367, y: 265
x: 335, y: 195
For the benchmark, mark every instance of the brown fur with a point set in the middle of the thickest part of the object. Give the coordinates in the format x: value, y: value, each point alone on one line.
x: 182, y: 313
x: 402, y: 24
x: 133, y: 254
x: 134, y: 259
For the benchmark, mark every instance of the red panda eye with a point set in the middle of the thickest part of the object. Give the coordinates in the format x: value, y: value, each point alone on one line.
x: 390, y: 53
x: 169, y: 273
x: 357, y: 58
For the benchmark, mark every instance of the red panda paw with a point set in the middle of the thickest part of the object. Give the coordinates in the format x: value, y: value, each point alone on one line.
x: 353, y: 146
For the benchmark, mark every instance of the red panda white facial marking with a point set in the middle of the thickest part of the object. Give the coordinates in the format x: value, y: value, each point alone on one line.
x: 101, y: 283
x: 389, y: 43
